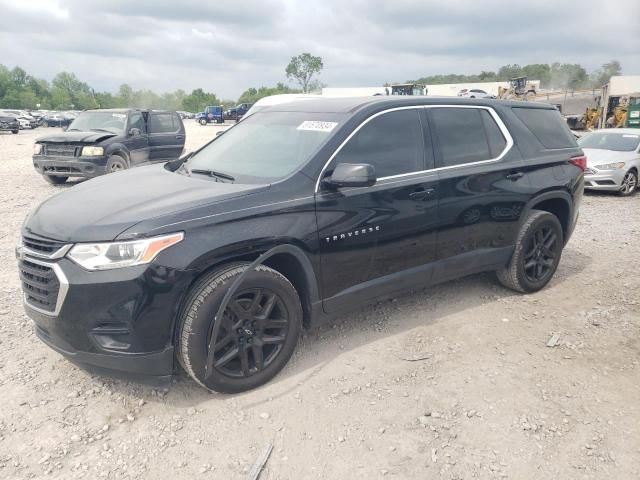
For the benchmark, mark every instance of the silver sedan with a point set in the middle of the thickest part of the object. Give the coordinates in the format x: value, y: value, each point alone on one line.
x: 613, y: 160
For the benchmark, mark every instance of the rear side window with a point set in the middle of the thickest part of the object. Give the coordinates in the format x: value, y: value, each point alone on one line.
x: 391, y: 142
x: 547, y: 126
x: 466, y: 135
x: 163, y: 123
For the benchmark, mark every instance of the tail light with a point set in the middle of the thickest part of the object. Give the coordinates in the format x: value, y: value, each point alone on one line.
x: 580, y: 162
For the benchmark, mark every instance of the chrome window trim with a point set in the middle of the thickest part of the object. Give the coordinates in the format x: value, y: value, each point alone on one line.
x: 62, y: 292
x: 503, y: 129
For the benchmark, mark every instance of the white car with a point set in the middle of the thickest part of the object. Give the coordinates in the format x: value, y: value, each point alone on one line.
x: 613, y: 160
x: 278, y: 100
x: 474, y: 93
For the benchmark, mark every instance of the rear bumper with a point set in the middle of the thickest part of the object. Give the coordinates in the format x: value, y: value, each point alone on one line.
x: 87, y: 167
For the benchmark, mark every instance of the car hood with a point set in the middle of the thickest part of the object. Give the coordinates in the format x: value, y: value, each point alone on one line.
x: 76, y: 137
x: 597, y: 156
x: 102, y: 208
x: 7, y: 118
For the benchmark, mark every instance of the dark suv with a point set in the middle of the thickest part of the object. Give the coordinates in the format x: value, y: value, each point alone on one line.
x: 300, y: 212
x: 106, y: 141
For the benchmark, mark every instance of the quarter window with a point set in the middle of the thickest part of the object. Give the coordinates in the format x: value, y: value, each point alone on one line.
x: 466, y: 135
x: 391, y: 142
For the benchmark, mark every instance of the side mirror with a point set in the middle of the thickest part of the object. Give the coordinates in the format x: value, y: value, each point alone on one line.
x: 219, y: 133
x: 134, y: 132
x: 351, y: 175
x: 65, y: 127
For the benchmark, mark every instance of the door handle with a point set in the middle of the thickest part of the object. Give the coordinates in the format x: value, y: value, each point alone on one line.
x: 421, y: 194
x: 514, y: 176
x: 179, y: 137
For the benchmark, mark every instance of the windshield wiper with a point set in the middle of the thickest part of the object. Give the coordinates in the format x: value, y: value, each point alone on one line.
x: 213, y: 173
x: 100, y: 130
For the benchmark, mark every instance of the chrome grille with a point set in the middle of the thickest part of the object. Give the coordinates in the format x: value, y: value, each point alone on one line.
x: 61, y: 150
x: 40, y: 285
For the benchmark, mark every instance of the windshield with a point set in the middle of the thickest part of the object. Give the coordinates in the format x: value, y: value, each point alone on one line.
x: 619, y: 142
x: 267, y: 145
x: 101, y: 121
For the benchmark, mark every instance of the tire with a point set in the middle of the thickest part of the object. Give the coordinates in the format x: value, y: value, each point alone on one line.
x: 55, y: 179
x: 629, y: 184
x: 15, y: 132
x: 116, y: 163
x: 195, y: 328
x: 539, y: 226
x: 203, y: 121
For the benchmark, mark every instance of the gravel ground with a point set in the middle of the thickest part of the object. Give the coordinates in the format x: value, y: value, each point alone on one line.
x: 453, y: 382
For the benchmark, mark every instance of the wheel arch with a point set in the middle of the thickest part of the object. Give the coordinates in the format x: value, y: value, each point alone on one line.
x: 289, y: 260
x: 557, y: 203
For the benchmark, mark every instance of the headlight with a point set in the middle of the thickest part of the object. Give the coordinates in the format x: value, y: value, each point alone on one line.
x: 610, y: 166
x: 106, y: 256
x: 92, y: 151
x: 37, y: 149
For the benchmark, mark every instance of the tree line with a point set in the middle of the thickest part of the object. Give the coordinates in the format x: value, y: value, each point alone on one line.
x: 569, y: 76
x: 18, y: 89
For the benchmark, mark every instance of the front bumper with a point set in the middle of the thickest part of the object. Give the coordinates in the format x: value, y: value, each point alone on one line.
x: 609, y: 180
x: 87, y: 167
x: 9, y: 127
x: 121, y: 319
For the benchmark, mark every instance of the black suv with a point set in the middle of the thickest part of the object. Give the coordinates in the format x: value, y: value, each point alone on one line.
x: 300, y: 212
x: 106, y: 141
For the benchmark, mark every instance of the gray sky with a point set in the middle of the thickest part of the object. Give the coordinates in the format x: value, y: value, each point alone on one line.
x: 226, y: 46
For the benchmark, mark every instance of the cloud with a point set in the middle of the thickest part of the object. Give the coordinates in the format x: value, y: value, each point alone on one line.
x: 226, y: 46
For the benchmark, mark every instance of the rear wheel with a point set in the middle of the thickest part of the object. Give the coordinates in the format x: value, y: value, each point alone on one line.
x: 629, y: 184
x: 203, y: 122
x: 257, y: 334
x: 55, y: 179
x: 116, y: 163
x: 15, y: 131
x: 536, y: 255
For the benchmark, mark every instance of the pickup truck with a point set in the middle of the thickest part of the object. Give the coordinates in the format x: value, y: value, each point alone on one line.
x: 107, y: 141
x: 237, y: 112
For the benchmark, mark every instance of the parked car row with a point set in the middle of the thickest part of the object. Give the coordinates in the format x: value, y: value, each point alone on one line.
x: 24, y: 119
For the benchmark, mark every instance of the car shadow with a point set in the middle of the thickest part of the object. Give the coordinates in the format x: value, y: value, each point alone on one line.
x: 346, y: 333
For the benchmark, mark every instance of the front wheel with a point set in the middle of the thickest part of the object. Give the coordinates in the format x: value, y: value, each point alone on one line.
x: 116, y: 164
x: 203, y: 122
x: 629, y: 184
x: 257, y: 335
x: 55, y: 179
x: 536, y: 255
x: 15, y: 131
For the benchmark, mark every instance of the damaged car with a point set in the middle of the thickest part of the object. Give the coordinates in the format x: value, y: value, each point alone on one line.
x: 108, y: 141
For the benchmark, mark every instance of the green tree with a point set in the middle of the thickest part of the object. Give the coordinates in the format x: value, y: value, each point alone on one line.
x: 601, y: 77
x: 198, y: 100
x: 302, y: 69
x: 538, y: 71
x: 508, y: 72
x: 568, y: 76
x: 252, y: 95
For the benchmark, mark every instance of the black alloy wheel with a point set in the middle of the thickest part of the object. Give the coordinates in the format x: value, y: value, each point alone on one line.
x: 541, y: 253
x: 255, y: 335
x: 536, y: 254
x: 252, y: 333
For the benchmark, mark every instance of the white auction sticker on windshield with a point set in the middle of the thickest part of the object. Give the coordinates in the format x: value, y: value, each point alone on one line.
x: 119, y: 115
x: 630, y: 136
x: 317, y: 126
